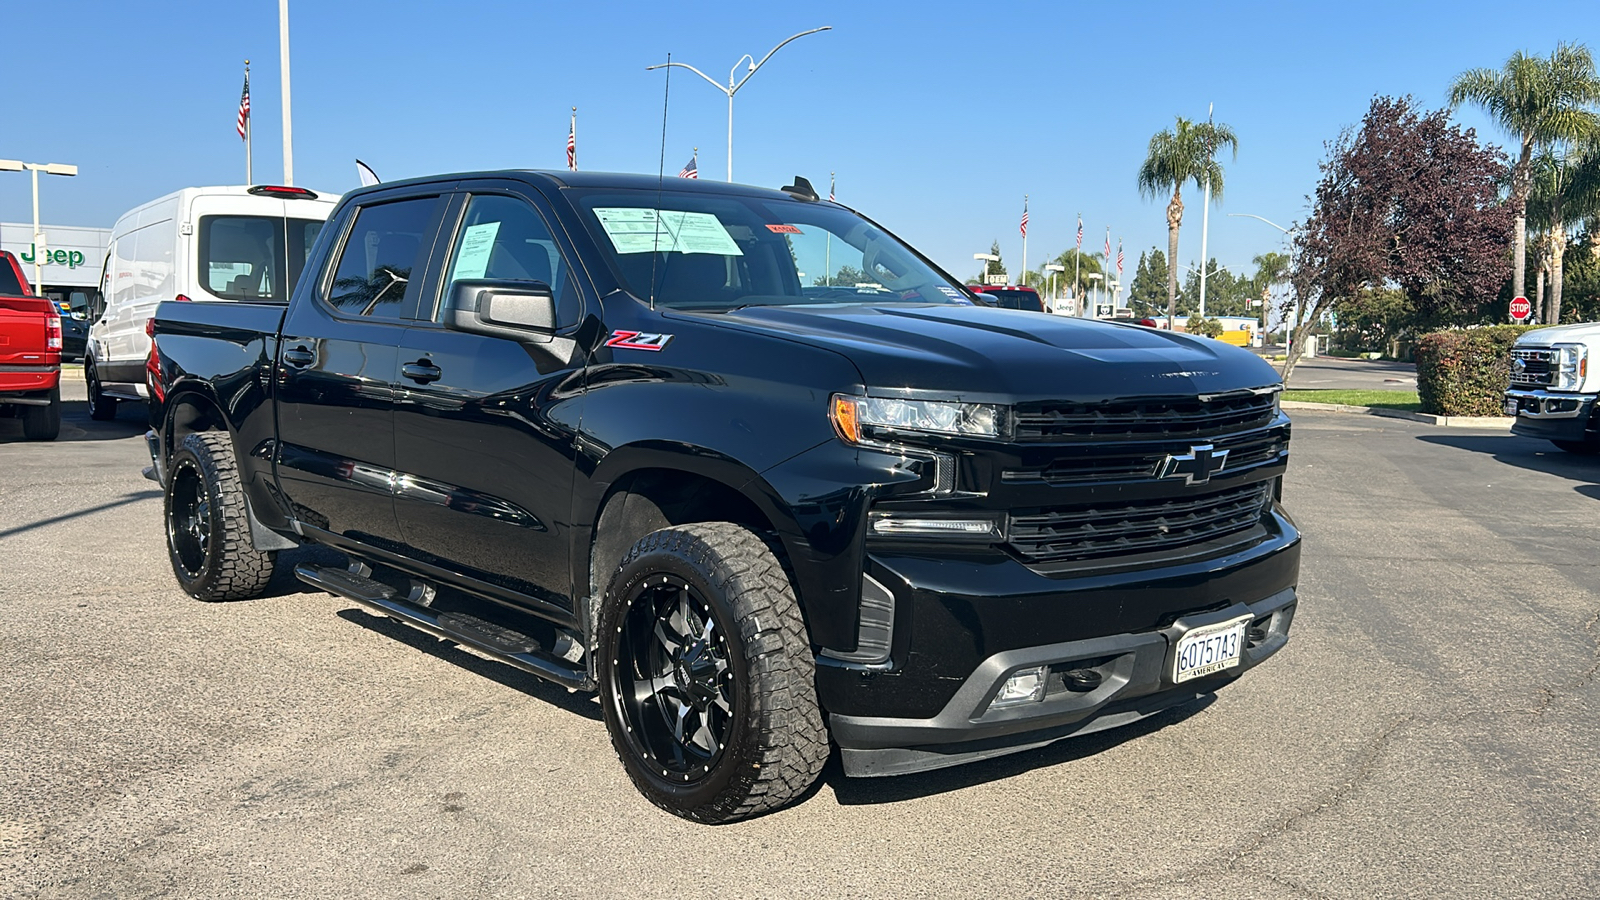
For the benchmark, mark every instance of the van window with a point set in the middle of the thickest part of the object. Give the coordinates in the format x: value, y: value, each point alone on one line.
x: 254, y: 257
x: 374, y: 275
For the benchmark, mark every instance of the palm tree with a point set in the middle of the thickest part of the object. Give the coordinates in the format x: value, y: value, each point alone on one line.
x: 1271, y: 268
x: 1184, y: 153
x: 1564, y: 186
x: 1540, y: 101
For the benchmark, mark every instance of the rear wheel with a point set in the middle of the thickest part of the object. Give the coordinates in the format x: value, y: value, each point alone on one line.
x: 706, y: 675
x: 1587, y: 448
x: 208, y: 530
x: 101, y: 407
x: 43, y: 423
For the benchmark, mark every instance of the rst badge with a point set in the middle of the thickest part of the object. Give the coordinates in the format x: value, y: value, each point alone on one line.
x: 638, y: 340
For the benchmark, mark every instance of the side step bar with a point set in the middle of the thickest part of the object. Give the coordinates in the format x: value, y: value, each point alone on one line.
x: 497, y: 642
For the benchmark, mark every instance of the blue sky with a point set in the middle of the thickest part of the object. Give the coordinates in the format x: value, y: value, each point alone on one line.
x: 938, y: 117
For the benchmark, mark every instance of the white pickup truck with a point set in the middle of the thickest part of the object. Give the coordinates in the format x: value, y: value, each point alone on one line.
x: 1553, y: 388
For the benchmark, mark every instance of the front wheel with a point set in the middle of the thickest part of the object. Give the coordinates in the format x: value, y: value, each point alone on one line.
x: 706, y: 675
x: 208, y: 530
x: 101, y: 407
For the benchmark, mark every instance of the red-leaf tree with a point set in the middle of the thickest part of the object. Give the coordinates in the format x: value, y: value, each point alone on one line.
x: 1408, y: 202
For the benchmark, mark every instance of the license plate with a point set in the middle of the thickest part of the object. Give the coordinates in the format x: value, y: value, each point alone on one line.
x: 1511, y: 406
x: 1209, y: 650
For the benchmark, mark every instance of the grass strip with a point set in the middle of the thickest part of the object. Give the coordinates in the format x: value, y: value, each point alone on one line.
x: 1402, y: 400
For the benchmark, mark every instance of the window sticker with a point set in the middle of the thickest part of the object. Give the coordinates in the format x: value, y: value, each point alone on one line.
x: 635, y: 230
x: 783, y: 229
x: 472, y: 259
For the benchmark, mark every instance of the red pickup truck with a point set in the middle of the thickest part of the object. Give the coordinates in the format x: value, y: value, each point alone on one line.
x: 30, y: 355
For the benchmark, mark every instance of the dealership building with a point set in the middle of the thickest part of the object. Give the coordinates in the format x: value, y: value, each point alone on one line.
x: 70, y: 263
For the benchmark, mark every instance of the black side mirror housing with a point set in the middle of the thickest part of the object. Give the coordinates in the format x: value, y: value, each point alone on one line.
x: 986, y: 299
x: 517, y: 310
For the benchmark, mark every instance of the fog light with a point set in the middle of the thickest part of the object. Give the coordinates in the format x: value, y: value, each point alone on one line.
x: 1024, y: 686
x: 889, y: 524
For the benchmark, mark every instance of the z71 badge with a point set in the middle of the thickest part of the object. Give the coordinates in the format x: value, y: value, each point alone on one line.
x: 638, y: 340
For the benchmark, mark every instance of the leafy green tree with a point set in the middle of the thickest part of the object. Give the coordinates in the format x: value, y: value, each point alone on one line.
x: 1564, y: 185
x: 1541, y: 101
x: 1184, y: 153
x: 1582, y: 266
x: 1147, y: 294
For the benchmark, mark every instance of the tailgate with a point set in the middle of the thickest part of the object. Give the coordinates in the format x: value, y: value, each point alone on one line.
x: 22, y: 330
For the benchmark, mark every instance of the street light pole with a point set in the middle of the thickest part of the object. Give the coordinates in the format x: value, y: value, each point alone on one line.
x: 283, y: 65
x: 1205, y: 217
x: 986, y: 258
x: 14, y: 165
x: 732, y: 86
x: 1053, y: 268
x: 1287, y: 233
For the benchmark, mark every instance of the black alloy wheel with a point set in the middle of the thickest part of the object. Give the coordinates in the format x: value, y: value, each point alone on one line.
x: 706, y: 675
x: 208, y: 529
x: 675, y: 681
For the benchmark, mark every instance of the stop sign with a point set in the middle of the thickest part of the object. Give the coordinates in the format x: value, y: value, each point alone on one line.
x: 1521, y: 308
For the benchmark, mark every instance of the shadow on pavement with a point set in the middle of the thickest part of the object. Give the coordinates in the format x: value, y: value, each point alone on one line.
x: 894, y: 789
x: 126, y: 499
x: 77, y: 426
x: 1527, y: 453
x: 581, y: 704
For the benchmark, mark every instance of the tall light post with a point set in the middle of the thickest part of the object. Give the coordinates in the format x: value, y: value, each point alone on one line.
x: 986, y: 258
x: 283, y: 67
x: 733, y: 87
x: 1053, y: 268
x: 1288, y: 234
x: 1113, y: 288
x: 1205, y: 214
x: 17, y: 165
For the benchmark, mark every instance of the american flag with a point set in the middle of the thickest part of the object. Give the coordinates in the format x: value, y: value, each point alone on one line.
x: 1119, y: 257
x: 1024, y: 226
x: 690, y: 169
x: 244, y: 106
x: 830, y: 187
x: 572, y: 144
x: 1108, y: 243
x: 1080, y: 233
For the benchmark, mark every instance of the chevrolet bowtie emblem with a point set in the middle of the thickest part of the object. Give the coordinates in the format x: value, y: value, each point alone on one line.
x: 1196, y: 467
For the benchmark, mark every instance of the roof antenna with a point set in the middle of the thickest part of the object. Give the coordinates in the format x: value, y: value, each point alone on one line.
x: 801, y: 190
x: 661, y: 176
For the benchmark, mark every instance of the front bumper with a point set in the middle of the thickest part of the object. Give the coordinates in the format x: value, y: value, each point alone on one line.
x: 1550, y: 415
x: 1134, y: 672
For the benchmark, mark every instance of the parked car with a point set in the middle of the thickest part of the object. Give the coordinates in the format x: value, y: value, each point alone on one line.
x: 594, y: 427
x: 1011, y: 296
x: 30, y: 355
x: 199, y: 243
x: 1553, y: 392
x: 74, y: 309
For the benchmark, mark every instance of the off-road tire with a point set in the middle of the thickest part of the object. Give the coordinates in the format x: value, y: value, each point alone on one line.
x: 101, y: 407
x: 43, y: 423
x: 775, y: 740
x: 227, y: 565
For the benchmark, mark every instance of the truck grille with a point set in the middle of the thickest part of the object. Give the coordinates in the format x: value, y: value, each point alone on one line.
x: 1531, y: 368
x: 1093, y: 531
x: 1140, y: 462
x: 1172, y: 417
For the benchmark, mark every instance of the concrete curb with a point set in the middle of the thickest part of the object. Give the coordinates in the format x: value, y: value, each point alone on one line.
x: 1499, y: 423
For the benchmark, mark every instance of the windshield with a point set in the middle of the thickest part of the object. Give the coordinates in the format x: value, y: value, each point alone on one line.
x: 698, y: 251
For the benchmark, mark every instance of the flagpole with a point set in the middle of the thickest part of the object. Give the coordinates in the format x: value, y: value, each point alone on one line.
x: 1077, y: 258
x: 1024, y: 275
x: 283, y: 71
x: 249, y: 171
x: 574, y: 134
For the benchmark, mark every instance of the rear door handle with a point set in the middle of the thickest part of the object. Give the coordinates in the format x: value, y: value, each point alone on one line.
x: 299, y: 357
x: 422, y: 371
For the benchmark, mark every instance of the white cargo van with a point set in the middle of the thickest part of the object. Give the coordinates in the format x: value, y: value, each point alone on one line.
x: 199, y: 243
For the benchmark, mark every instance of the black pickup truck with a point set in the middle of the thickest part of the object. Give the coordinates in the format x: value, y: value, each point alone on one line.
x: 741, y: 462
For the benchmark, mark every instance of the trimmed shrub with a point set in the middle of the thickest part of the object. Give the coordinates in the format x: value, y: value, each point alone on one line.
x: 1465, y: 372
x: 1210, y: 328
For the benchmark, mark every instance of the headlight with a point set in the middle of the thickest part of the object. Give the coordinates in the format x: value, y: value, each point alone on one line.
x: 1569, y: 367
x: 853, y: 415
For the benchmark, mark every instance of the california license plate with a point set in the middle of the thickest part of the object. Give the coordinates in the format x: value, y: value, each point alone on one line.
x: 1209, y: 650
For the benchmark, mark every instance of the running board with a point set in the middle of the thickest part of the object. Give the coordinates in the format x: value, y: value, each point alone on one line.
x: 494, y: 641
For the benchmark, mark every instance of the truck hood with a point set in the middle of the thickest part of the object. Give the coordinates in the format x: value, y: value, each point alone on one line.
x: 1584, y: 333
x: 998, y: 355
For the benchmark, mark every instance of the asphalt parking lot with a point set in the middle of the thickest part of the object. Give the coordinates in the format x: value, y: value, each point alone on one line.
x: 1430, y: 730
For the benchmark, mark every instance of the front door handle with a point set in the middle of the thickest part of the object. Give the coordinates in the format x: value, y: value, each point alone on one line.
x: 299, y: 357
x: 422, y: 371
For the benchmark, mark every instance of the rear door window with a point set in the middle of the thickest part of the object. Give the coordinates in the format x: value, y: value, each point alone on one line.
x: 254, y: 257
x: 380, y: 269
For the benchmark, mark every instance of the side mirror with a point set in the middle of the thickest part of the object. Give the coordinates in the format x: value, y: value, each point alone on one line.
x: 986, y: 299
x: 517, y: 310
